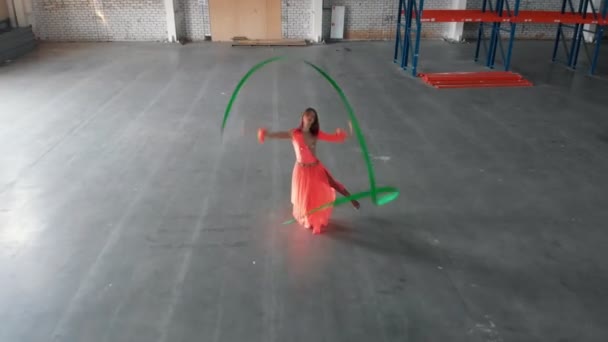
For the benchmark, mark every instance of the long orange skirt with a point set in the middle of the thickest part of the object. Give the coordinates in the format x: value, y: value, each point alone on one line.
x: 310, y: 189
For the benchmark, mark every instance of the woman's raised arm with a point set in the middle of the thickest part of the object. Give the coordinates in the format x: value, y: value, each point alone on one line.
x: 338, y: 137
x: 263, y: 133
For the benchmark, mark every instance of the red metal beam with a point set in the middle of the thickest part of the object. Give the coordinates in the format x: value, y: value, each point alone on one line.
x: 471, y: 76
x: 488, y: 79
x: 482, y: 85
x: 532, y: 17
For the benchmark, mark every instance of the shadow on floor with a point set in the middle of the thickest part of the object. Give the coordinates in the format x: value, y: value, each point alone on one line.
x: 382, y: 236
x: 603, y: 137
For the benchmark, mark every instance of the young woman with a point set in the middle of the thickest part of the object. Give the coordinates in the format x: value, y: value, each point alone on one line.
x: 311, y: 185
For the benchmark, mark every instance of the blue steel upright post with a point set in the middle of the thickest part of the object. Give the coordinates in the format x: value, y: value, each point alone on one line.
x: 578, y: 36
x: 398, y: 45
x: 560, y: 32
x: 481, y: 31
x: 418, y: 10
x: 407, y: 37
x: 495, y: 36
x: 599, y: 35
x: 503, y: 9
x: 579, y: 33
x: 507, y: 59
x: 402, y: 36
x: 403, y: 39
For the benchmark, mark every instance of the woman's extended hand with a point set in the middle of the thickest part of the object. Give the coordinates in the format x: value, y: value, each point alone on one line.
x: 261, y: 135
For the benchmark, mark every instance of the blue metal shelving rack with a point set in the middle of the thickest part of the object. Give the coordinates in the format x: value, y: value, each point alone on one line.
x: 409, y: 27
x: 405, y: 53
x: 578, y: 34
x: 503, y: 8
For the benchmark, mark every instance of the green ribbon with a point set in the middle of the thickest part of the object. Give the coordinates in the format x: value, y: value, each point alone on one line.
x: 379, y: 196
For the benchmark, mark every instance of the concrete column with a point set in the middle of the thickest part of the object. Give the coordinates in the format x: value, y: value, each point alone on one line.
x: 171, y: 26
x: 455, y: 30
x: 20, y: 12
x: 317, y: 20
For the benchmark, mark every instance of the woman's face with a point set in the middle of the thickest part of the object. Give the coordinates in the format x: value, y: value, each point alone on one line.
x: 308, y: 118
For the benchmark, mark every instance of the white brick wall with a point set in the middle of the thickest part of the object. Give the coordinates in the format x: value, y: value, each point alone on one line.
x: 376, y: 19
x: 296, y: 18
x: 365, y: 19
x: 195, y: 19
x: 110, y: 20
x: 100, y: 20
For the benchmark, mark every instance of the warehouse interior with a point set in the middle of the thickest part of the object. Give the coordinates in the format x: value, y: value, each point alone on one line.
x: 130, y: 211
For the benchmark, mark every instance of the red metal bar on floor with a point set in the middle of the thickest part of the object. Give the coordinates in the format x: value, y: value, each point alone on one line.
x: 473, y: 76
x: 484, y: 85
x: 446, y: 83
x: 485, y: 79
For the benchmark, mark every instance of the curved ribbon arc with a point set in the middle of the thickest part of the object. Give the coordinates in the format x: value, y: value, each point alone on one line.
x: 351, y: 114
x: 389, y: 193
x: 240, y: 85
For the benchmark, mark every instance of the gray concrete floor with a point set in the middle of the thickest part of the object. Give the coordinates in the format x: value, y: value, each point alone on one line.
x: 125, y: 217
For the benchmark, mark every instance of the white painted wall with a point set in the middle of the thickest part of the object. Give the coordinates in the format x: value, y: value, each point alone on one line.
x: 11, y: 13
x: 455, y: 30
x: 317, y: 20
x: 377, y: 19
x: 21, y: 14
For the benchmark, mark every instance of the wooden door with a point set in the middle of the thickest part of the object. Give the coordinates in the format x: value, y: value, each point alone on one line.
x: 253, y: 19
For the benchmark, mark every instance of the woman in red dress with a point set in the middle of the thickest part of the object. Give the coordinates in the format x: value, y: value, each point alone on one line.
x: 311, y: 185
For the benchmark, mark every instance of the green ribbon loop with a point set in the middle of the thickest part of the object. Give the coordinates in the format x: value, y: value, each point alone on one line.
x: 379, y: 196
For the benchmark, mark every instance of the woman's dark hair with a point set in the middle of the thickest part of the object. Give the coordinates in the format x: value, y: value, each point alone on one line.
x: 314, y: 128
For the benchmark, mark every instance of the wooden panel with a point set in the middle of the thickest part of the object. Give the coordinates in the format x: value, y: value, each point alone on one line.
x: 273, y: 20
x: 221, y: 19
x: 253, y: 19
x: 3, y: 10
x: 270, y: 42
